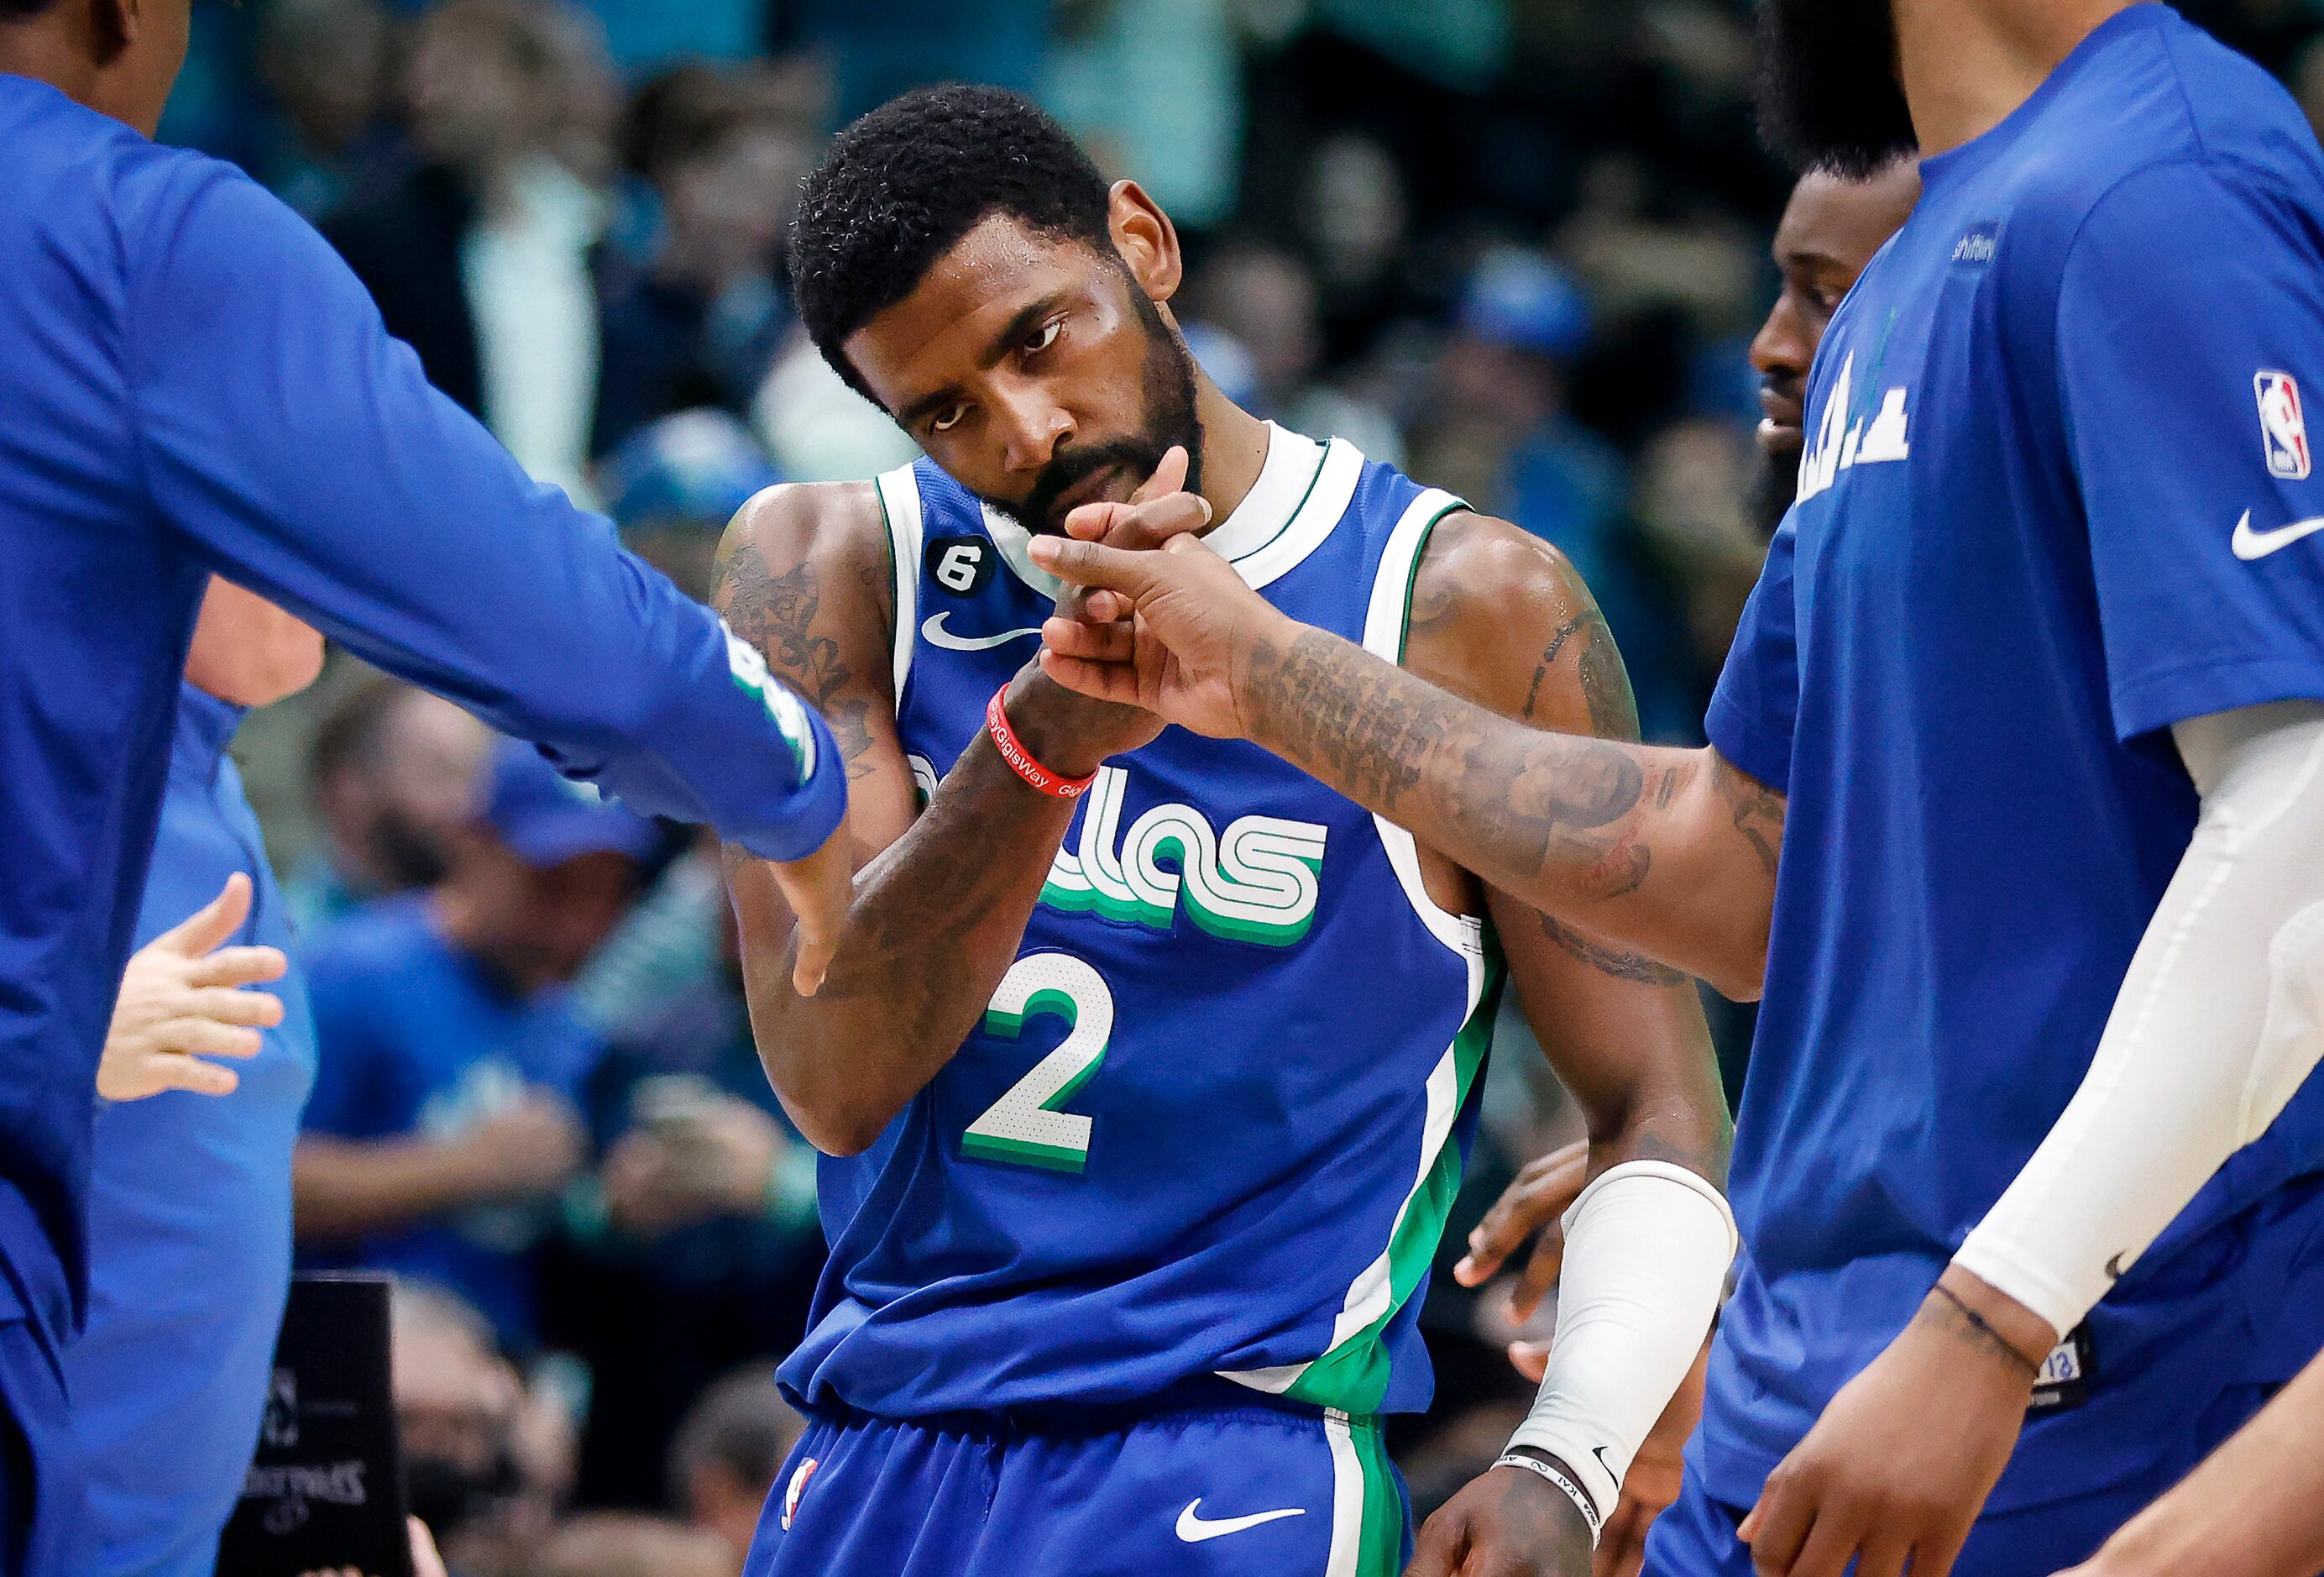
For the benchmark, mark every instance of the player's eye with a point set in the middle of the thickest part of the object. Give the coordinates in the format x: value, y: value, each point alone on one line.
x: 949, y: 418
x: 1043, y: 338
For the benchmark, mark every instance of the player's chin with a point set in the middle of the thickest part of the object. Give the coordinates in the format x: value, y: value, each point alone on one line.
x: 1782, y: 442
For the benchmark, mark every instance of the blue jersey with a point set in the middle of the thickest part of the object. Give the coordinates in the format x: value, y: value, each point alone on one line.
x: 190, y: 381
x: 1218, y: 1109
x: 416, y: 1038
x: 189, y: 1219
x: 2051, y: 504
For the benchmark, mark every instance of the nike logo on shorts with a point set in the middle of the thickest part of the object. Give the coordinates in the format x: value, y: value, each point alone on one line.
x: 933, y: 629
x: 1194, y: 1529
x: 2250, y: 545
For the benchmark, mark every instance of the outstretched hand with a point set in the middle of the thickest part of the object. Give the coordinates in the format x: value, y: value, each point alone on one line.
x: 1171, y: 630
x: 182, y: 1000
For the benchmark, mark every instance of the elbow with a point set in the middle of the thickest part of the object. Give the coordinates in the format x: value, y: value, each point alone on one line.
x: 1737, y: 970
x: 833, y: 1122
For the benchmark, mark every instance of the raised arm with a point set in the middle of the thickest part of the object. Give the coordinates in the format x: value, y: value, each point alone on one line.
x: 291, y: 444
x: 1667, y: 854
x: 942, y: 893
x: 1501, y: 620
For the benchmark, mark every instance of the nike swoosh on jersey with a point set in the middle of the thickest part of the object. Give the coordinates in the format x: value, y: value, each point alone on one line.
x: 2250, y: 545
x: 1194, y: 1529
x: 933, y: 629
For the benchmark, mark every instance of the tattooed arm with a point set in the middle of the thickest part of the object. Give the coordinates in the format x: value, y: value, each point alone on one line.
x: 1667, y: 854
x: 1500, y: 619
x: 941, y: 895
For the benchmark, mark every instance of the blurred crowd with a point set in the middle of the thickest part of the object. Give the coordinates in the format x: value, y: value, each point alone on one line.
x: 1517, y: 246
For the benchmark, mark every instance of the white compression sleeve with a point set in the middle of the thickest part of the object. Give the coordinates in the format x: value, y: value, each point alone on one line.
x: 2220, y: 1020
x: 1646, y: 1250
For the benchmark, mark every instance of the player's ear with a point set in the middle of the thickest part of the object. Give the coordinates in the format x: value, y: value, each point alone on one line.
x: 1146, y: 239
x: 113, y: 26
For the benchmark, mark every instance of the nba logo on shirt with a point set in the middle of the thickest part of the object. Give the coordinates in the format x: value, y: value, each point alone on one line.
x: 2282, y: 426
x: 796, y: 1489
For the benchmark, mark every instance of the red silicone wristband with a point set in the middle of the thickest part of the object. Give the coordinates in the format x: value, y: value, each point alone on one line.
x: 1020, y: 759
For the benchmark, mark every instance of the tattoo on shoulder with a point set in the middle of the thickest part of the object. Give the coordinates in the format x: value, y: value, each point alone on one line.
x: 1756, y: 810
x: 1631, y: 966
x: 777, y: 613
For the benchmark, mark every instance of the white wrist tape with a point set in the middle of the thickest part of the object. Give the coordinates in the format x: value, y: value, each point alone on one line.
x: 1646, y: 1250
x: 2219, y: 1020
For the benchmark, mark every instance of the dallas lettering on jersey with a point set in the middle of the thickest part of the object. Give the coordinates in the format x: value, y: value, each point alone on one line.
x: 1256, y: 883
x: 1842, y: 440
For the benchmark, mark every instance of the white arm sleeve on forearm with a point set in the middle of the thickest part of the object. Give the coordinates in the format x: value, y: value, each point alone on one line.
x: 1646, y: 1250
x: 2220, y: 1020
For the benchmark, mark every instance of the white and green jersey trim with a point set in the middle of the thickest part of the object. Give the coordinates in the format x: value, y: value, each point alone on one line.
x: 1367, y: 1511
x: 1352, y: 1374
x: 899, y: 507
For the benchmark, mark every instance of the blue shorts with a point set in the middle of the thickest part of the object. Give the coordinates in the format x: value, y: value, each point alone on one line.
x: 1234, y: 1491
x: 1696, y: 1537
x: 39, y: 1486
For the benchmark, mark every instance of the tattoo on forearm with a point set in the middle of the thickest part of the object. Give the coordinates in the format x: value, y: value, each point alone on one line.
x: 1512, y: 807
x: 1758, y: 811
x: 1630, y: 966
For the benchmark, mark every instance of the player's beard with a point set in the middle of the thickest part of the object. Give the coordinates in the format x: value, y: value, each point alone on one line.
x: 1773, y: 488
x: 1829, y: 96
x: 1168, y: 389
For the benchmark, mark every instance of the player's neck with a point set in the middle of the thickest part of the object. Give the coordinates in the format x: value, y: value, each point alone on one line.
x: 1235, y: 448
x: 1966, y: 64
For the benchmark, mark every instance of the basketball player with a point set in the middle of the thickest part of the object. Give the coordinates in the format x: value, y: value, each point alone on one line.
x: 1830, y: 228
x: 1146, y: 1064
x: 2030, y: 696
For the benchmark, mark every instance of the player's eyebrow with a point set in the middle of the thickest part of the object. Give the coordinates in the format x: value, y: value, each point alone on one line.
x: 1008, y: 337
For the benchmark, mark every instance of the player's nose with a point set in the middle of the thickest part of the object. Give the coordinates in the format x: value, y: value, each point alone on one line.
x: 1032, y: 427
x: 1780, y: 348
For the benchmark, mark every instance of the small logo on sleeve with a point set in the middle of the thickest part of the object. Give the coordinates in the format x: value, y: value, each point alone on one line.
x: 794, y: 1489
x: 2282, y: 426
x: 1977, y: 245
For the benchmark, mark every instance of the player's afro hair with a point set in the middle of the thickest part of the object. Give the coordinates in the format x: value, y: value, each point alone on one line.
x: 900, y: 186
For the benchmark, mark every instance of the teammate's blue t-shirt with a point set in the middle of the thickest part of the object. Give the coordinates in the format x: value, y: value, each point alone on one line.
x: 415, y: 1038
x: 2049, y: 507
x: 189, y: 1217
x: 191, y: 381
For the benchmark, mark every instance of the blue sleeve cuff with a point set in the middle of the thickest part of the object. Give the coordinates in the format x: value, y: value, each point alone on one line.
x: 815, y: 808
x: 1749, y: 743
x: 2158, y: 700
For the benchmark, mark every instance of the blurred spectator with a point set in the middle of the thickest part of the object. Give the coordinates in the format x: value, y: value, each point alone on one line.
x: 729, y: 1450
x: 697, y: 1245
x: 484, y: 1458
x: 442, y: 1128
x: 1152, y: 87
x: 327, y: 63
x: 479, y: 257
x: 1265, y: 299
x: 393, y: 772
x: 1506, y: 440
x: 818, y: 429
x: 674, y: 486
x: 618, y: 1544
x: 722, y: 154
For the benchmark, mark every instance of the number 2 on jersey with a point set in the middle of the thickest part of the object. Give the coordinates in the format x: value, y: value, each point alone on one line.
x: 1024, y: 1127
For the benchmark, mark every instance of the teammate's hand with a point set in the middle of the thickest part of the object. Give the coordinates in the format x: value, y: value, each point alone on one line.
x: 1510, y: 1523
x: 181, y: 999
x: 1074, y: 731
x: 1901, y: 1462
x: 1185, y: 650
x: 1534, y: 1202
x: 818, y: 889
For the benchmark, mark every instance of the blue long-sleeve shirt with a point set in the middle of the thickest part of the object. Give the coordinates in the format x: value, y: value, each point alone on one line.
x: 189, y: 1220
x: 192, y: 382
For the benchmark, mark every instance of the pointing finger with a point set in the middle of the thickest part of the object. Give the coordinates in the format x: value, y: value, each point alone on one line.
x: 1091, y: 564
x: 213, y: 922
x: 1169, y: 476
